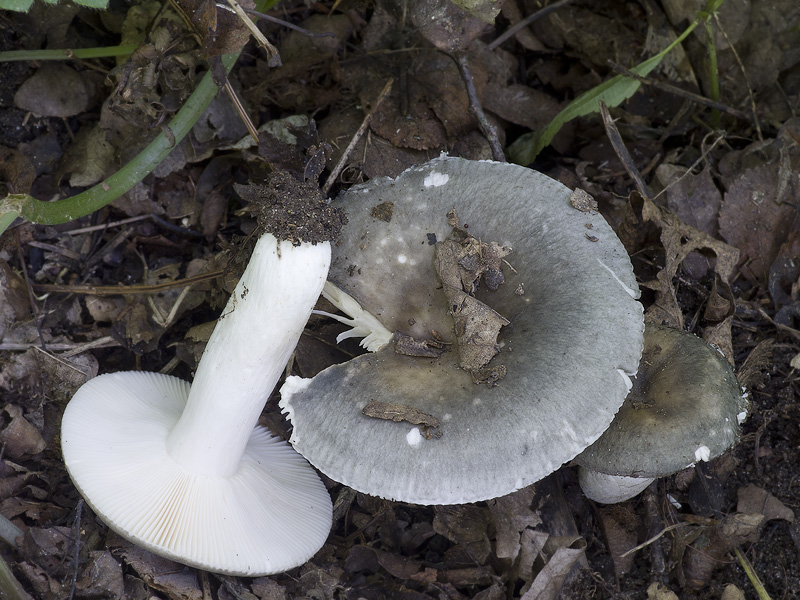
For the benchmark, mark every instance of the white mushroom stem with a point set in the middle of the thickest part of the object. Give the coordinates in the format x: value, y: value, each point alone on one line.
x: 248, y: 350
x: 364, y: 324
x: 610, y: 489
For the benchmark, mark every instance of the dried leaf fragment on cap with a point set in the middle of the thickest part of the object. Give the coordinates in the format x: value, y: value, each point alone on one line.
x: 461, y: 261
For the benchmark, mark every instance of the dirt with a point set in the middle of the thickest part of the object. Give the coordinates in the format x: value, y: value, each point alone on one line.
x: 705, y: 199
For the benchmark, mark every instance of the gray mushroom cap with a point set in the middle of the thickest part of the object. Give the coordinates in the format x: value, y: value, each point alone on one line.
x: 685, y: 406
x: 574, y: 336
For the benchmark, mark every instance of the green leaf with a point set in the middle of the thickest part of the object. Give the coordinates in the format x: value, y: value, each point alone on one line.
x: 613, y: 92
x: 6, y: 218
x: 16, y: 5
x: 99, y: 4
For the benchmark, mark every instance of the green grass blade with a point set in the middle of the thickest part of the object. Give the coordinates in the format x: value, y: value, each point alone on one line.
x: 16, y: 5
x: 613, y: 92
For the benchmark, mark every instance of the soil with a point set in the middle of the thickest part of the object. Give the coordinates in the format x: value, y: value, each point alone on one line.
x: 704, y: 196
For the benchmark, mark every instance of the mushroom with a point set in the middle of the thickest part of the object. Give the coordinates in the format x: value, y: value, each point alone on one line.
x: 419, y: 429
x: 184, y: 471
x: 685, y: 406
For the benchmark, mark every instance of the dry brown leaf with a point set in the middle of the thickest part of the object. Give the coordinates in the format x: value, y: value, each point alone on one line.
x: 656, y: 591
x: 460, y: 264
x: 512, y: 515
x: 448, y: 27
x: 220, y: 31
x: 758, y: 214
x: 16, y: 171
x: 101, y: 578
x: 19, y: 437
x: 679, y: 240
x: 465, y: 525
x: 177, y: 581
x: 618, y: 528
x: 362, y: 558
x: 753, y: 499
x: 55, y: 90
x: 548, y: 582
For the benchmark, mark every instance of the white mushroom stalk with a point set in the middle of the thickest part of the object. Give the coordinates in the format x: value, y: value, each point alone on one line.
x: 187, y: 473
x: 246, y: 355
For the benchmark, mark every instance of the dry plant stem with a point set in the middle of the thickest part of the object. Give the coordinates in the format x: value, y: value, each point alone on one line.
x: 752, y: 575
x: 67, y: 348
x: 242, y: 112
x: 31, y: 299
x: 287, y: 24
x: 713, y: 69
x: 654, y: 525
x: 739, y: 62
x: 76, y: 534
x: 653, y: 539
x: 527, y: 21
x: 113, y: 290
x: 364, y: 124
x: 486, y: 127
x: 706, y: 151
x: 272, y: 51
x: 673, y: 89
x: 622, y: 152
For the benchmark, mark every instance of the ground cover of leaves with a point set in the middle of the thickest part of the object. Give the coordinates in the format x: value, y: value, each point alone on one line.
x: 714, y: 242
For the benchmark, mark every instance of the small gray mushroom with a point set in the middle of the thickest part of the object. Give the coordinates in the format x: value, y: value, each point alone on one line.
x: 685, y: 406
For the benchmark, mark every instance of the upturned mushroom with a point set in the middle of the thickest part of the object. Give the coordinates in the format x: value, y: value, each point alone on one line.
x: 685, y: 406
x: 185, y: 471
x: 475, y: 272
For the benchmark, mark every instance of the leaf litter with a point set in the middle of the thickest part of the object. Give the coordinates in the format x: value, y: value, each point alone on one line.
x: 684, y: 246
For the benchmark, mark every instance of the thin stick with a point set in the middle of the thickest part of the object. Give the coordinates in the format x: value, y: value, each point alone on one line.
x: 527, y: 21
x: 752, y: 575
x: 622, y: 152
x: 288, y: 25
x: 744, y: 74
x: 364, y: 124
x: 485, y: 126
x: 31, y: 299
x: 76, y: 556
x: 240, y: 109
x: 720, y: 136
x: 272, y: 51
x: 675, y: 90
x: 652, y: 539
x: 113, y: 290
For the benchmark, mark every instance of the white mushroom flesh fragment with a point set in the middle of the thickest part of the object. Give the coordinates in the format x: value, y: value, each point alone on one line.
x: 436, y: 179
x: 703, y: 453
x: 363, y: 323
x: 414, y: 437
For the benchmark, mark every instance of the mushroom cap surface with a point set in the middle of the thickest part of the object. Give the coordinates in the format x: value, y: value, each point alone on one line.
x: 272, y: 515
x: 574, y: 334
x: 685, y: 406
